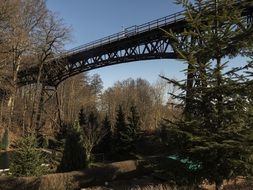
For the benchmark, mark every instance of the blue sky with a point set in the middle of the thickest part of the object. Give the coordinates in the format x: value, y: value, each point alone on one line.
x: 94, y: 19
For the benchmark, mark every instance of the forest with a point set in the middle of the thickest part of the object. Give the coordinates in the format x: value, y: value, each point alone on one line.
x: 195, y: 133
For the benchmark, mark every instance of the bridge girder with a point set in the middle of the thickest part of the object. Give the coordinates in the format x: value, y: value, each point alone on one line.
x: 155, y: 49
x: 62, y: 69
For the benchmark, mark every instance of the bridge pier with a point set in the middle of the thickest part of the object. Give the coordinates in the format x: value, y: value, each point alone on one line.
x: 47, y: 93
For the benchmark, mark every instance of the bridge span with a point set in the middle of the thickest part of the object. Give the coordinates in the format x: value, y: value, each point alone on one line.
x: 140, y: 42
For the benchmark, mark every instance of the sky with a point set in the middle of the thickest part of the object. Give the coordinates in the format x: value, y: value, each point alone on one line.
x: 94, y: 19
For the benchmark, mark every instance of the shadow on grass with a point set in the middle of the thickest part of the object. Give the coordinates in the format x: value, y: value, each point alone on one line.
x: 71, y: 180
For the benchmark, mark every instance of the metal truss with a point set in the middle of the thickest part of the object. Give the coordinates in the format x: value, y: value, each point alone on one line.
x: 156, y: 49
x: 61, y: 69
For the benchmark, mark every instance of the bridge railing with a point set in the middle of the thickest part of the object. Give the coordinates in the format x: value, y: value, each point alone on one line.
x: 128, y: 32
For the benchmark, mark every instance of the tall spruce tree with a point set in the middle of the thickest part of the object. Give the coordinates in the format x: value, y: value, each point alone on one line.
x: 212, y: 131
x: 133, y: 125
x: 82, y: 117
x: 74, y: 157
x: 93, y: 119
x: 120, y: 130
x: 127, y: 131
x: 106, y: 143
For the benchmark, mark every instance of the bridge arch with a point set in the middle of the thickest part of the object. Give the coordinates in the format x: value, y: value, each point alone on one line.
x: 143, y: 42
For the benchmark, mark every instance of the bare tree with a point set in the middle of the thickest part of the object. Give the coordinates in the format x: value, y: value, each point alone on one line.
x: 92, y: 136
x: 49, y: 39
x: 29, y: 34
x: 18, y: 20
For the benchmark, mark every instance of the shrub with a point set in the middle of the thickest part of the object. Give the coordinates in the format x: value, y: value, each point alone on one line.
x: 27, y: 159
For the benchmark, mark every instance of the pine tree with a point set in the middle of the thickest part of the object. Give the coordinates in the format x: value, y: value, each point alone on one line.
x: 127, y: 131
x: 27, y: 159
x: 93, y: 119
x: 74, y: 157
x: 5, y: 140
x: 133, y: 125
x: 82, y: 117
x: 213, y: 127
x: 120, y: 130
x: 62, y: 132
x: 106, y: 143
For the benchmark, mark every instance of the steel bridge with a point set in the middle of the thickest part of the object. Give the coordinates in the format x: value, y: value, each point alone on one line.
x: 142, y: 42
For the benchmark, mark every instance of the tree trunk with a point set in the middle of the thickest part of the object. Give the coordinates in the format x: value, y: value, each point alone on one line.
x: 11, y: 102
x: 88, y: 158
x: 10, y: 110
x: 1, y: 112
x: 219, y: 98
x: 24, y: 116
x: 219, y: 186
x: 188, y: 100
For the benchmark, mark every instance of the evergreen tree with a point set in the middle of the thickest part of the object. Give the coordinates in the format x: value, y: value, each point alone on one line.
x: 5, y: 140
x: 27, y: 159
x: 74, y: 157
x: 82, y: 117
x: 106, y: 143
x: 212, y: 131
x: 120, y: 130
x: 127, y: 131
x: 93, y: 119
x: 62, y: 132
x: 133, y: 125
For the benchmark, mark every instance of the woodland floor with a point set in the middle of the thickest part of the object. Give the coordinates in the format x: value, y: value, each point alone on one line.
x: 119, y: 176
